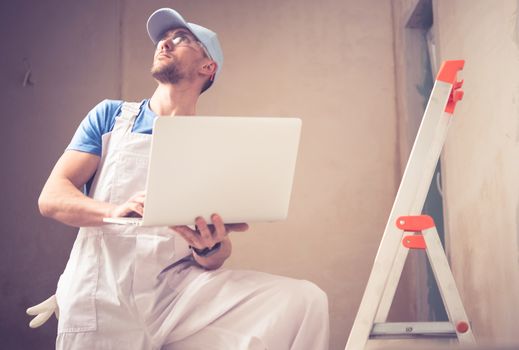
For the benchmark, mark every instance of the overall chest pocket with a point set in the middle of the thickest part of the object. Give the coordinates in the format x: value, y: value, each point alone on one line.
x: 77, y: 286
x: 130, y: 171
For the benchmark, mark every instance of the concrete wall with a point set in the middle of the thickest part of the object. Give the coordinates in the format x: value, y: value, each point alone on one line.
x: 410, y: 61
x: 328, y: 62
x: 481, y: 171
x: 479, y: 162
x: 73, y: 62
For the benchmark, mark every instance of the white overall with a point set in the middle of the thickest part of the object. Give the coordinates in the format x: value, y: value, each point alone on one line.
x: 128, y: 287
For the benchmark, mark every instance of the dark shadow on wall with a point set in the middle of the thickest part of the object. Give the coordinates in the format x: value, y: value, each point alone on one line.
x: 58, y: 60
x: 420, y: 70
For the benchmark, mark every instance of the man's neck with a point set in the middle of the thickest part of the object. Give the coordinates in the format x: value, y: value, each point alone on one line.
x: 171, y: 100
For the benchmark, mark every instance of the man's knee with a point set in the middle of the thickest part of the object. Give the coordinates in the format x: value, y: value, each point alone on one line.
x: 306, y: 296
x: 314, y: 295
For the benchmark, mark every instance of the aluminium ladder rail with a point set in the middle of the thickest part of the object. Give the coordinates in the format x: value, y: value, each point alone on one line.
x: 389, y: 261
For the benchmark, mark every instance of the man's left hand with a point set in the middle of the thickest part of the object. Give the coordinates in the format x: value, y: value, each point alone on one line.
x: 207, y: 236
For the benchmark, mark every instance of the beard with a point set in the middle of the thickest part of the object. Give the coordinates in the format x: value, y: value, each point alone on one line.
x: 167, y: 74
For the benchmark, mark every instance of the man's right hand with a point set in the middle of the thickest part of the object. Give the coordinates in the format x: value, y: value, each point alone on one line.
x: 133, y: 207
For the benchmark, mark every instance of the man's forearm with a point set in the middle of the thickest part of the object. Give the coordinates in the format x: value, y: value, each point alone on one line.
x: 62, y: 201
x: 217, y: 259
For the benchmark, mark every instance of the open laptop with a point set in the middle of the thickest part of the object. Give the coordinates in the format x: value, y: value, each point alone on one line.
x: 239, y: 167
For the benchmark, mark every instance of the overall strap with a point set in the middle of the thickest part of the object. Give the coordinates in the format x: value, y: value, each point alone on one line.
x: 130, y: 110
x: 124, y: 121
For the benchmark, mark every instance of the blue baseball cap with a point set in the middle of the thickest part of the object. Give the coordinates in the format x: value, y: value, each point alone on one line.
x: 165, y: 19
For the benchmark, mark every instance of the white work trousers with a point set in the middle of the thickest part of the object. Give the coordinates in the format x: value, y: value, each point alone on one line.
x: 139, y: 288
x: 222, y: 309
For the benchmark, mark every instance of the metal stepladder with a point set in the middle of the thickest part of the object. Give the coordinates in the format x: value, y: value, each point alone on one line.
x: 407, y: 229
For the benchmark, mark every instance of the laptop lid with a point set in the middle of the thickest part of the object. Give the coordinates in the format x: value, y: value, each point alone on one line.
x: 239, y: 167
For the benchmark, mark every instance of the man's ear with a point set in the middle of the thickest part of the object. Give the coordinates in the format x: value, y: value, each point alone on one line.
x: 209, y: 68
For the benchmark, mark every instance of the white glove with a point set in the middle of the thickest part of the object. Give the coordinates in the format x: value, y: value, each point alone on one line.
x: 43, y: 311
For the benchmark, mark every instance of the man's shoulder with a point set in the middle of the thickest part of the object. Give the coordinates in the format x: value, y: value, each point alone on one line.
x: 107, y: 107
x: 105, y: 112
x: 102, y: 116
x: 113, y: 107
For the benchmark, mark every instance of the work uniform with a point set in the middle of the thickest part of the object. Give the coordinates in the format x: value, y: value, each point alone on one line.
x: 127, y: 287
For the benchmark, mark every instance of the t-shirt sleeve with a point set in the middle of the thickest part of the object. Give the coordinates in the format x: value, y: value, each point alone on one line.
x: 99, y: 121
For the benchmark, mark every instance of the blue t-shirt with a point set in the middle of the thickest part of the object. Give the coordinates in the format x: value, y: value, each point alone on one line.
x: 101, y: 120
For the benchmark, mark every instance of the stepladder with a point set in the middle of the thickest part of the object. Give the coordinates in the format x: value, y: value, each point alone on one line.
x: 407, y: 229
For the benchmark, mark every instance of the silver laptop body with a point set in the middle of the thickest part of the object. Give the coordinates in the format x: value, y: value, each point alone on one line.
x: 239, y: 167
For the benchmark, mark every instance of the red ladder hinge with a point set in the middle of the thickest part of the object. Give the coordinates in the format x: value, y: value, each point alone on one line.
x: 415, y: 223
x: 455, y: 96
x: 448, y: 73
x: 414, y: 242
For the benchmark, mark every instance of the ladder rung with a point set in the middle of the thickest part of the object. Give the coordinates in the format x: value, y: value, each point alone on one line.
x: 388, y: 329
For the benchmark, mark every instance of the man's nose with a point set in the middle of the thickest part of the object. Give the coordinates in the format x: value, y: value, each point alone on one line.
x: 166, y: 45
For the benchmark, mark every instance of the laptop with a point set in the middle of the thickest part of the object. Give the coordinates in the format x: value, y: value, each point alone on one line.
x: 239, y: 167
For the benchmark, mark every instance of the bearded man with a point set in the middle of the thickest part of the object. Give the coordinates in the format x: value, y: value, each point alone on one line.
x: 127, y: 287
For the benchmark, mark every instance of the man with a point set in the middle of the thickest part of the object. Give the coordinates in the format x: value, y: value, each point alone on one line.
x: 161, y: 288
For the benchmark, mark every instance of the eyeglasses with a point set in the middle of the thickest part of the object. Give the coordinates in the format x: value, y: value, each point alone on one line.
x: 183, y: 39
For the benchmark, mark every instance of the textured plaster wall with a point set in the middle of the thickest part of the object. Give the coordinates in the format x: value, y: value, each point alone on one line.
x: 410, y: 60
x: 328, y: 62
x: 480, y: 159
x: 67, y: 54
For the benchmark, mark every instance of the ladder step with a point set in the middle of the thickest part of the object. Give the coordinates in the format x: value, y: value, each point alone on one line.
x: 389, y: 329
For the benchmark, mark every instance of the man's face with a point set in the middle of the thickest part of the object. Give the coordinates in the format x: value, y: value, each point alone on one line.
x: 177, y: 57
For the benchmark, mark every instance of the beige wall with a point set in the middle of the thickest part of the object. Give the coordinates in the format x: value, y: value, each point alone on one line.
x: 332, y: 63
x: 328, y: 62
x: 69, y: 49
x: 410, y: 59
x: 481, y: 168
x: 479, y: 162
